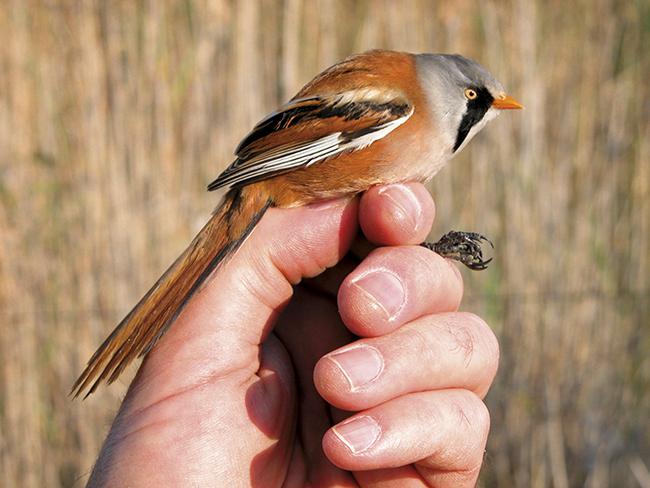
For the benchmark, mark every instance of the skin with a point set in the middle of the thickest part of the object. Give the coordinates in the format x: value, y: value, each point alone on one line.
x: 366, y: 376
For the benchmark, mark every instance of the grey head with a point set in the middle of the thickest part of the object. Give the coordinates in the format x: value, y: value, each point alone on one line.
x: 463, y: 96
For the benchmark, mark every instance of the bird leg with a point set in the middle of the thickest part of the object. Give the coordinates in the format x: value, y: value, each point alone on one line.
x: 462, y: 246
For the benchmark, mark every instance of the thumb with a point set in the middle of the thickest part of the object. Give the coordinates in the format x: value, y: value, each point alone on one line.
x: 219, y: 332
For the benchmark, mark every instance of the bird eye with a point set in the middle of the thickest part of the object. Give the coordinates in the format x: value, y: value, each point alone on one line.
x: 470, y: 94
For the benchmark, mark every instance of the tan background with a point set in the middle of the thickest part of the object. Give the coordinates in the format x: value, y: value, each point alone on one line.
x: 114, y: 116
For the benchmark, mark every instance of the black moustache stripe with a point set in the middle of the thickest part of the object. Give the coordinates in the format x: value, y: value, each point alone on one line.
x: 476, y: 110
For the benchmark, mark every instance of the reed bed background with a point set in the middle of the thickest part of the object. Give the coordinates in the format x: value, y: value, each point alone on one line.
x: 114, y: 116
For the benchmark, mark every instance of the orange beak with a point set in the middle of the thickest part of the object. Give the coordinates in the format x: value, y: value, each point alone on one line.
x: 506, y: 102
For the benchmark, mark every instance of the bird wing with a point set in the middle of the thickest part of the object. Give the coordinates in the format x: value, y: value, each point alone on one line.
x: 312, y: 129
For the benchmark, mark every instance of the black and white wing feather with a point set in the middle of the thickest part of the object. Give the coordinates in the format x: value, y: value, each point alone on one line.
x: 313, y: 129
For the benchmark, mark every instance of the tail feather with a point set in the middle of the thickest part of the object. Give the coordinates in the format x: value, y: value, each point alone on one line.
x: 139, y: 331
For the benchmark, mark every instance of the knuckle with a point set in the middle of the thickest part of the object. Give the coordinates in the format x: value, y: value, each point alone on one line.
x: 442, y: 476
x: 485, y: 337
x: 474, y: 415
x: 482, y: 420
x: 421, y: 345
x: 467, y: 421
x: 476, y: 422
x: 462, y: 338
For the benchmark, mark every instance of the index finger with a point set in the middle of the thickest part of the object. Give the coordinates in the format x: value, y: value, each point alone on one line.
x: 389, y: 215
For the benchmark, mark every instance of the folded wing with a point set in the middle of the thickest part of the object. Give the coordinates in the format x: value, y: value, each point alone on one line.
x: 312, y: 129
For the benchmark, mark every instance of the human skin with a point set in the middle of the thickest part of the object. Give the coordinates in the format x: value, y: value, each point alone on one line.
x: 365, y: 376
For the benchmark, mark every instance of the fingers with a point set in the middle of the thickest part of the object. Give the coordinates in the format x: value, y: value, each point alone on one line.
x: 443, y: 432
x: 417, y: 376
x: 396, y: 285
x: 219, y: 332
x: 389, y: 215
x: 396, y: 214
x: 222, y: 326
x: 453, y: 350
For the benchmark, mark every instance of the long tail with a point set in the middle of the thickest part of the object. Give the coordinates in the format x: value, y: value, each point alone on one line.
x: 229, y: 225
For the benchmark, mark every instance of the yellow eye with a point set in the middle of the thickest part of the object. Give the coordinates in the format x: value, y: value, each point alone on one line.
x: 470, y: 94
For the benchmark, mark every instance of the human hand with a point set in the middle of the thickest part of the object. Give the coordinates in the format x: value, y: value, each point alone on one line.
x: 227, y: 397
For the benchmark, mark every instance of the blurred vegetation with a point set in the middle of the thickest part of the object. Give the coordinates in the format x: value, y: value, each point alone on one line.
x: 114, y: 115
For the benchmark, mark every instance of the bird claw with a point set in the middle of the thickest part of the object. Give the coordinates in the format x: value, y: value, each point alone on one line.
x: 464, y: 247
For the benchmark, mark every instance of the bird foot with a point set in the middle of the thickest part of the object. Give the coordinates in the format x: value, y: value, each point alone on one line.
x: 462, y: 246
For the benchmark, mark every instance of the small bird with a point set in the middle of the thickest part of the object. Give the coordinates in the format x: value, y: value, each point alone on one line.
x: 375, y: 118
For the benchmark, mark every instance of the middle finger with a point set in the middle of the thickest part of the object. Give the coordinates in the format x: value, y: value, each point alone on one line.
x: 449, y: 350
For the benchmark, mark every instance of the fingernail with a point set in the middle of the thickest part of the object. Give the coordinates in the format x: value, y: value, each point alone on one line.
x: 384, y: 289
x: 358, y: 434
x: 359, y: 364
x: 405, y: 200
